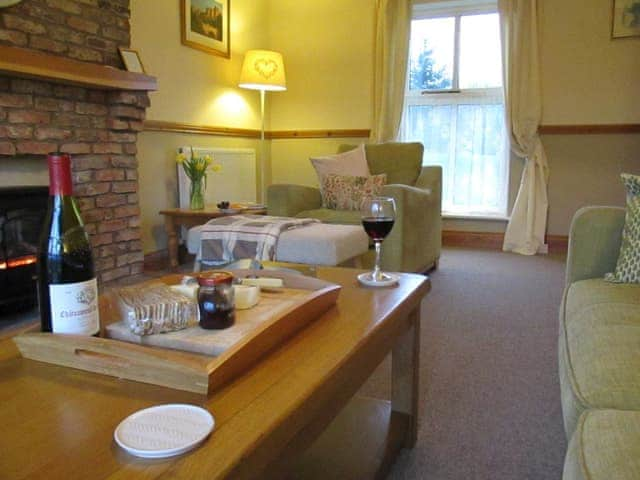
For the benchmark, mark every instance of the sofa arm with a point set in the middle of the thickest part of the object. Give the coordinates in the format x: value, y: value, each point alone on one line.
x: 415, y: 241
x: 287, y: 200
x: 594, y: 242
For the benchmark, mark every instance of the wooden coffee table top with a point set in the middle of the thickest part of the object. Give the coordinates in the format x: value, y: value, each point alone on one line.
x: 58, y: 422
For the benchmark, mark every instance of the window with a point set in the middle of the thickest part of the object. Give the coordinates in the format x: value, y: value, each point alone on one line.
x: 454, y: 103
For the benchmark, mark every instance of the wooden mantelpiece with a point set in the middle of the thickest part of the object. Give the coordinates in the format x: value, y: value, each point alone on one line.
x: 32, y: 64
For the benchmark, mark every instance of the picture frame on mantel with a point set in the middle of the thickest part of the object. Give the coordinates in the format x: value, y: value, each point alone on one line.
x: 204, y: 25
x: 625, y: 20
x: 131, y: 60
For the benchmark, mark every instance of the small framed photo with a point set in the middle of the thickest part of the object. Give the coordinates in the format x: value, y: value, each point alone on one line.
x: 205, y: 25
x: 131, y: 60
x: 626, y: 19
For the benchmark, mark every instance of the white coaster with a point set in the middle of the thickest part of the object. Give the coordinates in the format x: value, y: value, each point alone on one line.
x: 388, y: 280
x: 164, y: 430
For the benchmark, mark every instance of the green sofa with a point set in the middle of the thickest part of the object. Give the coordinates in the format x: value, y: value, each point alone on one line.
x: 415, y: 242
x: 599, y: 354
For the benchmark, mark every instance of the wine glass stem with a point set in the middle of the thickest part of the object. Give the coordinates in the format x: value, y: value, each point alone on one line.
x: 377, y: 274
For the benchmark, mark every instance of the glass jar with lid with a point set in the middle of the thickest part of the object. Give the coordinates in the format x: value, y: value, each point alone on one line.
x: 215, y: 300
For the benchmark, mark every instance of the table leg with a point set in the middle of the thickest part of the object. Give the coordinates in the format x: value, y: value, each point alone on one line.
x: 172, y: 240
x: 405, y: 361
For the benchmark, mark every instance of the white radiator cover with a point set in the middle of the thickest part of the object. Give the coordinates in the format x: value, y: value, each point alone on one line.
x: 236, y: 182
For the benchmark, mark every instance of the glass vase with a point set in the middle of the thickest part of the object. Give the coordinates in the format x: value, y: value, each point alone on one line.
x: 196, y: 194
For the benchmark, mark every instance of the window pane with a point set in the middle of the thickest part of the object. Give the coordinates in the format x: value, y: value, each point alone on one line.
x: 431, y: 125
x: 480, y: 54
x: 431, y: 54
x: 478, y: 167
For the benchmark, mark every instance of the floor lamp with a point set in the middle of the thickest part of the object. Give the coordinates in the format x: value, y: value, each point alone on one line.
x: 263, y: 70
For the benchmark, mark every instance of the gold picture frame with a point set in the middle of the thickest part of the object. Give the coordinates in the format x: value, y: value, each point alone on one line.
x: 204, y: 25
x: 625, y: 18
x: 131, y: 60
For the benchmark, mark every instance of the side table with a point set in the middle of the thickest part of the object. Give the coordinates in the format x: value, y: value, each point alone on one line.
x: 176, y: 217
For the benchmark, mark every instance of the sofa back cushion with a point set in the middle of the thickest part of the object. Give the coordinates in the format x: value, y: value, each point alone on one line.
x: 402, y: 162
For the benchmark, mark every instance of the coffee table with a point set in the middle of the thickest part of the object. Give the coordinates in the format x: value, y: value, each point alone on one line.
x: 176, y: 217
x: 58, y: 422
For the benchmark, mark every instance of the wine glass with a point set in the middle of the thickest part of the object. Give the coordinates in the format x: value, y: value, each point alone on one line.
x: 378, y: 216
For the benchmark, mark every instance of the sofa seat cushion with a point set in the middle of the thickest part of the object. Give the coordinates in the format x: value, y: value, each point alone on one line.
x: 599, y: 348
x: 327, y: 215
x: 605, y: 445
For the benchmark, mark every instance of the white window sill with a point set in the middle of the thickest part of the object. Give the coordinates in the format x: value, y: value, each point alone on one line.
x: 471, y: 216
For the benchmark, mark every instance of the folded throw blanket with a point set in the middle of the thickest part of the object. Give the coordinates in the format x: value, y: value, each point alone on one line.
x: 226, y: 239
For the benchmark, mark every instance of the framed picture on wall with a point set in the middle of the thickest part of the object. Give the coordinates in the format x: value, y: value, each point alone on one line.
x: 626, y: 19
x: 205, y: 25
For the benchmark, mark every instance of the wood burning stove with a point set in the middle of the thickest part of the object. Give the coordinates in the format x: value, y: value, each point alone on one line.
x: 22, y: 211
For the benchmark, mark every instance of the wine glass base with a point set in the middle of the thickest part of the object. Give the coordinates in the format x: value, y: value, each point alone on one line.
x: 385, y: 279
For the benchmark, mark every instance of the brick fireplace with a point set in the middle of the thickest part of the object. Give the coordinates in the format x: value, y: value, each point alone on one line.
x: 55, y: 97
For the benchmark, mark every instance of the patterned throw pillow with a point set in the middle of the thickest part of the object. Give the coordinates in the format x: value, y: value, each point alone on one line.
x: 346, y: 192
x: 628, y: 266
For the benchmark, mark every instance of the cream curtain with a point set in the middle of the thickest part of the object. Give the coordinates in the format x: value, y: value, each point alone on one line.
x: 519, y: 31
x: 393, y: 24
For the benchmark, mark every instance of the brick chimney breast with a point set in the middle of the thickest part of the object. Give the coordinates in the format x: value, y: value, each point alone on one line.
x: 97, y: 127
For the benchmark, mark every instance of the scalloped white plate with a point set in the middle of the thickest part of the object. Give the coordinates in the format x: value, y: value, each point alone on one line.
x: 164, y: 430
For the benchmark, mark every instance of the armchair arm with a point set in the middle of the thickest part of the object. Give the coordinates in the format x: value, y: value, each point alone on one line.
x: 415, y: 242
x: 431, y: 179
x: 287, y: 200
x: 594, y: 242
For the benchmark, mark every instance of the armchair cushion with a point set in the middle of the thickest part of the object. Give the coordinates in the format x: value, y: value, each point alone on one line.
x: 346, y: 192
x: 353, y: 162
x: 402, y: 162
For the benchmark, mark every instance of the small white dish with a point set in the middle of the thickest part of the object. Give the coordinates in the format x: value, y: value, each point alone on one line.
x: 388, y: 280
x: 164, y: 430
x: 229, y: 211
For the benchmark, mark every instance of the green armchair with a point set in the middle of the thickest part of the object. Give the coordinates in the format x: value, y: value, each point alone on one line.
x: 415, y: 242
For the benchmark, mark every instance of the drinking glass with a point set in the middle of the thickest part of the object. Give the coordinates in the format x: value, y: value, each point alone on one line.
x: 378, y: 216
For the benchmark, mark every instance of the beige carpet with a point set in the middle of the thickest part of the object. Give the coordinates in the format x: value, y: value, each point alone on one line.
x: 490, y: 401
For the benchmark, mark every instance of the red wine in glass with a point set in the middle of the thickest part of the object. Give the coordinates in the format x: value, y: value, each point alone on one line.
x: 377, y: 227
x: 378, y: 215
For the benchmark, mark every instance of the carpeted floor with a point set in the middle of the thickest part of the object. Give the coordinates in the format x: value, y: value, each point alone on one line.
x: 489, y: 398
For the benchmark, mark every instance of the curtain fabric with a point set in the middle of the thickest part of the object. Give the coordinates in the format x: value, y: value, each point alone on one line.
x: 393, y: 25
x: 519, y: 31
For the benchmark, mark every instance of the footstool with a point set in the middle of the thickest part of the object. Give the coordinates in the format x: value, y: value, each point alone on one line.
x: 315, y: 244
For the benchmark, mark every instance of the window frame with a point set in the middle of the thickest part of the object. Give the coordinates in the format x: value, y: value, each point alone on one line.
x: 455, y: 95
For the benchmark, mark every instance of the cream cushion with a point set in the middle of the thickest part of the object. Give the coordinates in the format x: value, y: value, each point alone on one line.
x: 353, y: 162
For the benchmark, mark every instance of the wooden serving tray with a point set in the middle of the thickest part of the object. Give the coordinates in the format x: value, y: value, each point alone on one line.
x: 178, y: 369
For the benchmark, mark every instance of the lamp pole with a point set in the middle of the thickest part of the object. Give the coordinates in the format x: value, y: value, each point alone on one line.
x: 263, y: 160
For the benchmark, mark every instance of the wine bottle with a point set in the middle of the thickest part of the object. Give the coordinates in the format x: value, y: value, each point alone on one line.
x: 67, y: 285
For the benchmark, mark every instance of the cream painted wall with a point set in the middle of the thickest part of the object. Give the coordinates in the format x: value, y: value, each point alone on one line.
x: 586, y: 76
x: 328, y: 52
x: 194, y: 87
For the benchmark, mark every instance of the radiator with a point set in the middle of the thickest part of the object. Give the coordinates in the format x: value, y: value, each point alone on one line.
x: 236, y: 182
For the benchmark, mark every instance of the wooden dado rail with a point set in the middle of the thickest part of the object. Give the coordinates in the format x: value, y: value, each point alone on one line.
x: 162, y: 126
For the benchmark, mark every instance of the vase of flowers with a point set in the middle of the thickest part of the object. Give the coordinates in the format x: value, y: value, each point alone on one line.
x: 196, y: 168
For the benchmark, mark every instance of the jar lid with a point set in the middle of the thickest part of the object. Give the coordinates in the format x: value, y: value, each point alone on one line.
x: 210, y: 279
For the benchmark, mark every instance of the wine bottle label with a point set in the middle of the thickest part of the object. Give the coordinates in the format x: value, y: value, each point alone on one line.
x: 74, y: 308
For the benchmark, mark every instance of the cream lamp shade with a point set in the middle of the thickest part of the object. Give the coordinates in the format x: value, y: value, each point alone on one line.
x: 263, y: 70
